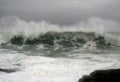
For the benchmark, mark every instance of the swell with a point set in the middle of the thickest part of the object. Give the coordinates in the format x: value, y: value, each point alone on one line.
x: 63, y: 39
x: 87, y: 35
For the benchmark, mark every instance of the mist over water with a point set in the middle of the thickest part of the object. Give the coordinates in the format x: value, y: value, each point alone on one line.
x: 45, y: 52
x: 58, y: 40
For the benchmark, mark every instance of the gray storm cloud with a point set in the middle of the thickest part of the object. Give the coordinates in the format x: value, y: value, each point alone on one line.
x: 62, y: 11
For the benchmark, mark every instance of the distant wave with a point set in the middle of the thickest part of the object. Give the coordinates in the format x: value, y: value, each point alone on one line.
x: 64, y: 39
x: 18, y: 32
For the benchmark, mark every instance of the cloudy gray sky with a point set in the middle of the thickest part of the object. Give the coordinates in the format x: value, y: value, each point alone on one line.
x: 61, y: 11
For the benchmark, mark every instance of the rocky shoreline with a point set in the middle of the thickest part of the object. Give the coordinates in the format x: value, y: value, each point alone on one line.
x: 8, y: 70
x: 110, y: 75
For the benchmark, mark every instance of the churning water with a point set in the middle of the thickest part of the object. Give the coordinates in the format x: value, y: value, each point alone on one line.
x: 42, y: 52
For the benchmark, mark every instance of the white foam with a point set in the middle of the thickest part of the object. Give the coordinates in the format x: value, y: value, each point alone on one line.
x: 10, y: 60
x: 11, y: 26
x: 113, y: 38
x: 44, y: 69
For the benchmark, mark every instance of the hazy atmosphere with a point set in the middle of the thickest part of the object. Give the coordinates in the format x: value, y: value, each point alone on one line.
x: 59, y: 40
x: 61, y: 11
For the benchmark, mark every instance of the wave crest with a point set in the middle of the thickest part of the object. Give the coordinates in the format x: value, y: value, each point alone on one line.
x: 19, y: 32
x: 64, y: 39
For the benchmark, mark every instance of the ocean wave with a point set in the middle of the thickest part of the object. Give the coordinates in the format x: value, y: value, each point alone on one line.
x: 86, y: 35
x: 62, y: 39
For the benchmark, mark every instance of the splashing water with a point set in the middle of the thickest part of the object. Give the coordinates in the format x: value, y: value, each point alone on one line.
x: 43, y: 52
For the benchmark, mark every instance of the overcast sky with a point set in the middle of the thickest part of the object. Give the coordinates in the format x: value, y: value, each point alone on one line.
x: 61, y: 11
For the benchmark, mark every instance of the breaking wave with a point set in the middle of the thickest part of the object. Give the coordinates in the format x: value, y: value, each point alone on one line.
x: 86, y: 35
x: 64, y: 39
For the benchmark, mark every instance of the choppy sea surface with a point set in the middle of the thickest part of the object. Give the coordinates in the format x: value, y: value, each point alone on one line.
x: 57, y: 55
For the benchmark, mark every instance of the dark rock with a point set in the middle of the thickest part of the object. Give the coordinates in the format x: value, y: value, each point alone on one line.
x: 8, y: 70
x: 111, y: 75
